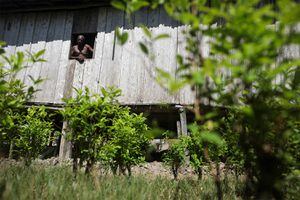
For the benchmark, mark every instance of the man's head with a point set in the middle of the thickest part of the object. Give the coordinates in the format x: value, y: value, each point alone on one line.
x: 80, y: 40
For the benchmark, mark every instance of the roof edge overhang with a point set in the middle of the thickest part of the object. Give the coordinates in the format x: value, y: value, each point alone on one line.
x: 13, y: 6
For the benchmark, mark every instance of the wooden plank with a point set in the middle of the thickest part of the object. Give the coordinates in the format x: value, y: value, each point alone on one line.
x: 85, y: 21
x: 129, y: 76
x: 93, y: 66
x: 137, y: 73
x: 78, y: 76
x: 50, y: 69
x: 178, y: 126
x: 148, y: 69
x: 171, y: 65
x: 65, y: 149
x: 110, y: 70
x: 42, y: 70
x: 91, y: 20
x: 187, y: 96
x: 2, y: 26
x: 84, y: 70
x: 64, y: 60
x: 2, y: 31
x: 99, y: 54
x: 87, y: 77
x: 91, y: 69
x: 69, y: 79
x: 168, y: 48
x: 38, y: 43
x: 11, y: 32
x: 165, y: 52
x: 25, y: 38
x: 183, y: 121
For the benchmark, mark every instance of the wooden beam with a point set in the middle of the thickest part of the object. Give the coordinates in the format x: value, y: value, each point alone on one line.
x: 183, y: 128
x: 183, y: 121
x: 65, y: 148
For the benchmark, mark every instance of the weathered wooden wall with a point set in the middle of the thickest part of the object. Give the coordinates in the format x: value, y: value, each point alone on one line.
x: 122, y: 66
x: 125, y: 67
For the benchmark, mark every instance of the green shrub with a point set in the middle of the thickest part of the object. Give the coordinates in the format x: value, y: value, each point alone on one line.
x: 34, y: 133
x: 128, y: 141
x: 176, y: 155
x: 103, y: 130
x: 13, y: 93
x: 205, y: 145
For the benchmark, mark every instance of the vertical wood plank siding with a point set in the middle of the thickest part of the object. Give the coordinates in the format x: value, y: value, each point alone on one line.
x: 64, y: 66
x: 125, y: 66
x: 25, y: 37
x: 49, y: 70
x: 11, y: 32
x: 40, y: 32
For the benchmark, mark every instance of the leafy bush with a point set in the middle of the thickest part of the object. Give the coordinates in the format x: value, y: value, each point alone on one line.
x: 128, y: 142
x: 102, y: 130
x: 176, y: 156
x: 248, y: 72
x: 13, y: 93
x: 34, y: 133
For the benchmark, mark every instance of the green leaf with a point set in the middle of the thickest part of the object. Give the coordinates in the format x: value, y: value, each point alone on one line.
x: 212, y: 137
x: 162, y: 36
x: 2, y: 43
x: 119, y: 4
x: 144, y: 48
x: 136, y: 5
x: 38, y: 54
x: 122, y: 37
x: 147, y: 31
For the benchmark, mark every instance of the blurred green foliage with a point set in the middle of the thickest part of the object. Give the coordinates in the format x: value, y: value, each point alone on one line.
x: 249, y: 73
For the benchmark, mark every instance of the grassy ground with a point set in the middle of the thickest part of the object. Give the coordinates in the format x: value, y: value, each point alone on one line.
x: 54, y: 182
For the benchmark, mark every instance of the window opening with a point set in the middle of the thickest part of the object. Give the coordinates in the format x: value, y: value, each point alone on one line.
x: 82, y: 46
x: 84, y: 31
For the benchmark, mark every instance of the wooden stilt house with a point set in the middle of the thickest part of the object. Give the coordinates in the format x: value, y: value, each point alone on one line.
x: 53, y: 25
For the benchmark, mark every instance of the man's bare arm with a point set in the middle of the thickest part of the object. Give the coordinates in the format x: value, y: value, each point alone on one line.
x: 90, y: 48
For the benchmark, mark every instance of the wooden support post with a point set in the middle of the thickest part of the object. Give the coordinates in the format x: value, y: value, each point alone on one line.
x: 178, y: 124
x: 65, y: 148
x: 183, y: 121
x: 183, y: 128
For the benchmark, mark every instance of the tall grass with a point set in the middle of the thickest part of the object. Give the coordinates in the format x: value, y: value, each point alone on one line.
x: 40, y: 182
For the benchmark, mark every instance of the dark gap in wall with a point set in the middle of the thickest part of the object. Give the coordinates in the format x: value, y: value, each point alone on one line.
x: 85, y: 22
x: 52, y: 150
x: 89, y: 39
